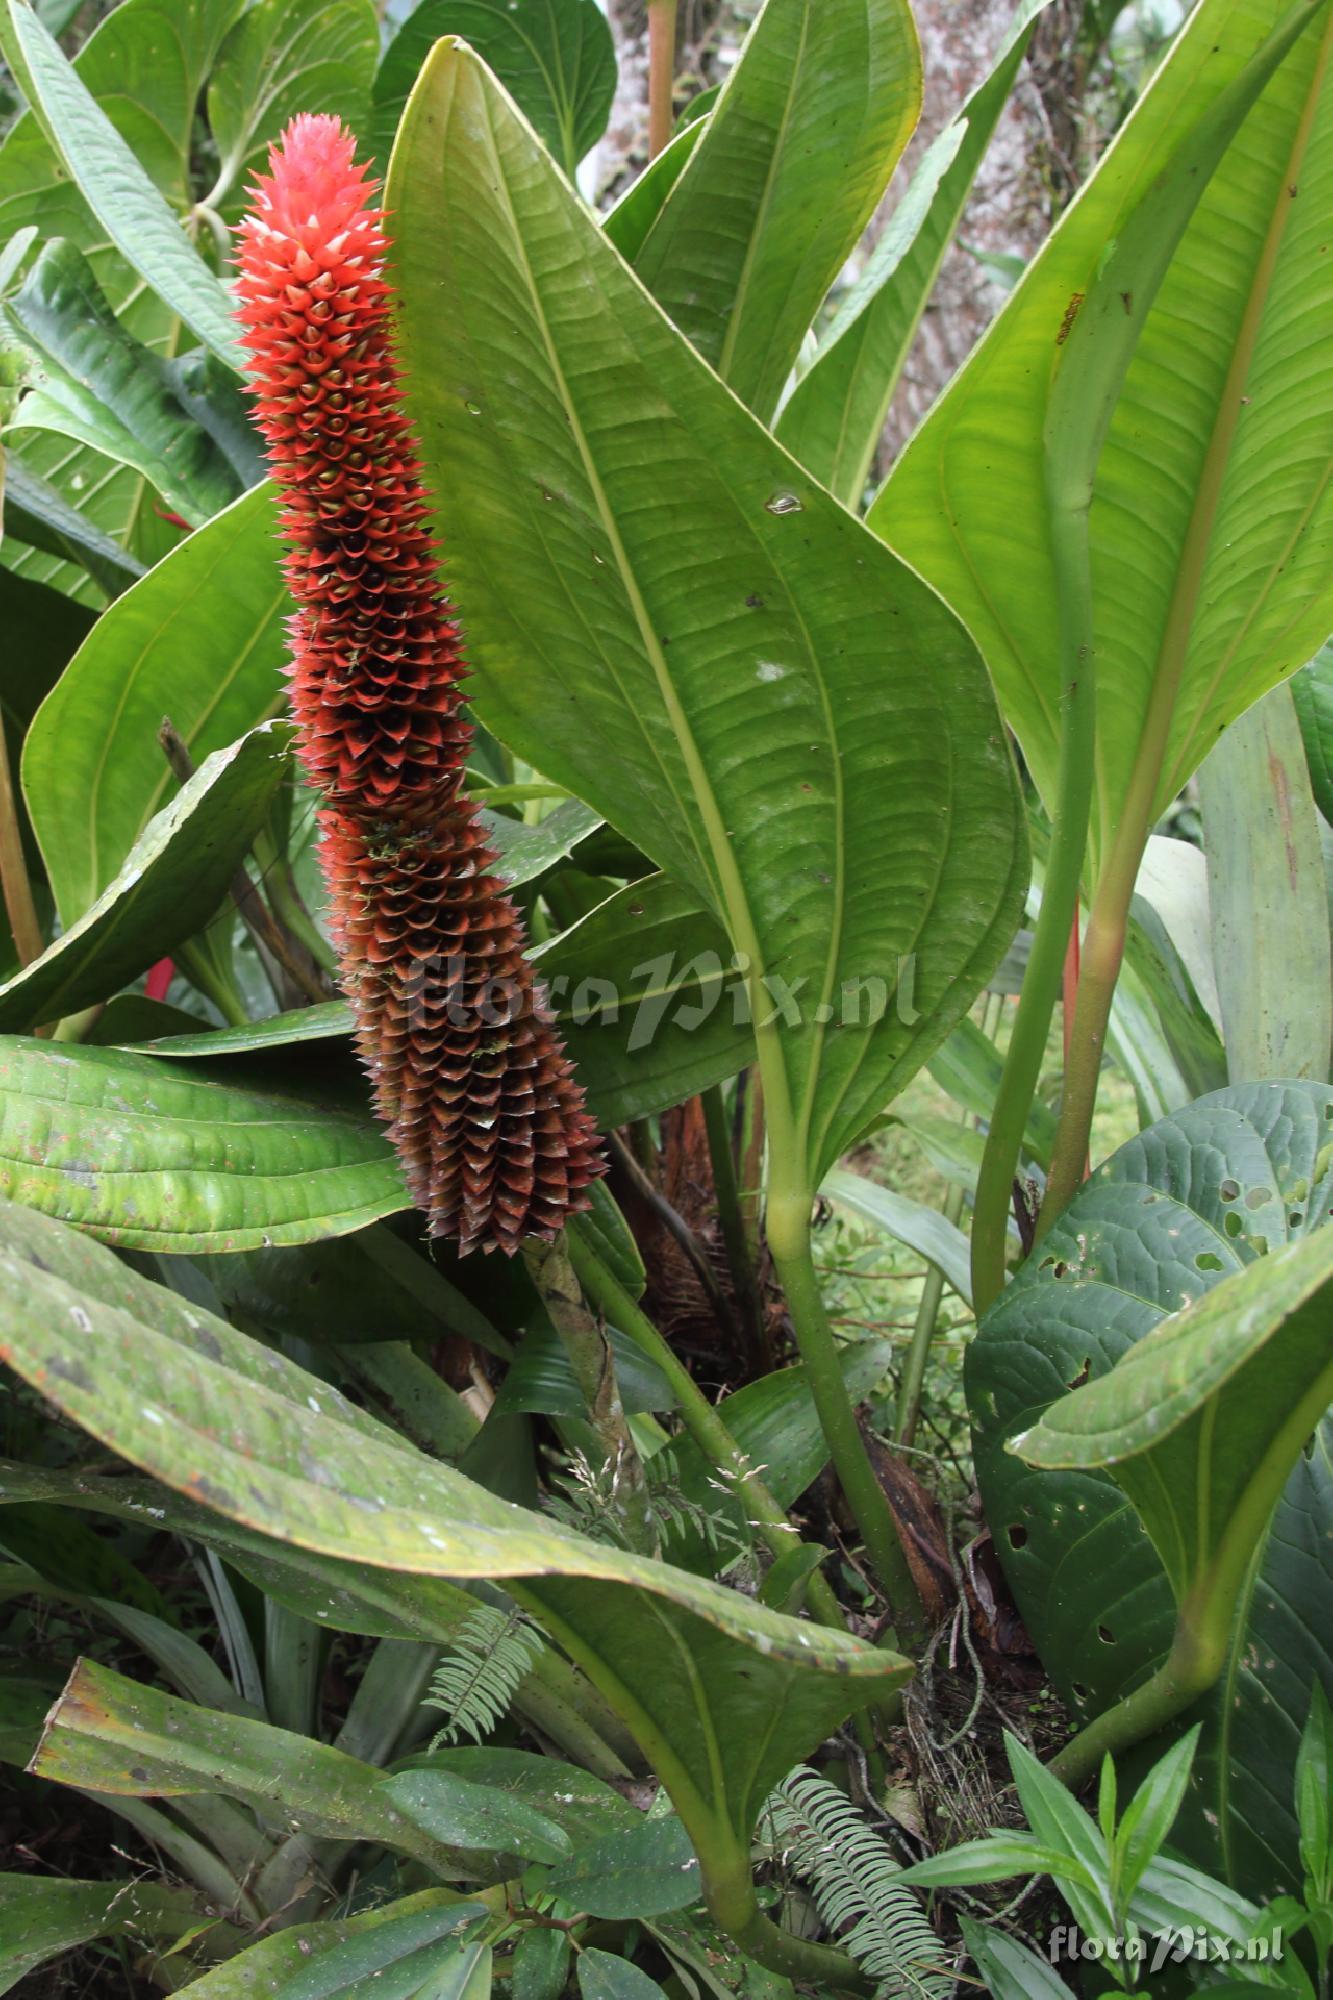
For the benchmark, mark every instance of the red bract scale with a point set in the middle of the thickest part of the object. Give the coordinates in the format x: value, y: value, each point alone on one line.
x: 466, y: 1066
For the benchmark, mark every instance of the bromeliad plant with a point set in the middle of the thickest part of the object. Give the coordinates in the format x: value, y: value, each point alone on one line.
x: 733, y: 786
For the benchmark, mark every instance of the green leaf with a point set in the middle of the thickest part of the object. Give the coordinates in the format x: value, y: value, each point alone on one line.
x: 799, y: 148
x: 834, y: 416
x: 1267, y: 894
x: 1202, y: 1420
x: 109, y: 1734
x: 261, y: 1967
x: 478, y: 1816
x: 722, y: 1694
x: 201, y: 640
x: 541, y: 1378
x: 627, y: 224
x: 1210, y: 529
x: 1151, y: 1814
x: 284, y: 57
x: 1314, y: 1790
x: 997, y: 1858
x: 41, y: 1917
x: 541, y: 1965
x: 411, y: 1957
x: 923, y: 1229
x: 154, y: 1156
x: 1201, y: 1194
x: 173, y: 879
x: 117, y: 188
x: 643, y: 1872
x: 556, y: 58
x: 1312, y: 692
x: 330, y: 1021
x: 968, y: 1066
x: 750, y: 701
x: 584, y: 1806
x: 603, y: 1977
x: 95, y: 383
x: 1010, y: 1970
x: 528, y: 851
x: 37, y: 513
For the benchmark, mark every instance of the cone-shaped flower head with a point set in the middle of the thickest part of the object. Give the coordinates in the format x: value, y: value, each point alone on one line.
x: 466, y: 1066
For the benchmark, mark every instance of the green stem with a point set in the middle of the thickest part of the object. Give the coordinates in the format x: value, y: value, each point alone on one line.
x: 1187, y: 1672
x: 788, y: 1228
x: 750, y: 1096
x: 732, y: 1221
x: 589, y: 1353
x: 923, y: 1333
x: 1059, y: 904
x: 702, y: 1421
x: 821, y: 1967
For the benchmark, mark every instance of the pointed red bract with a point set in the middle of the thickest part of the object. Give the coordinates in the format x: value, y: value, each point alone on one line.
x: 466, y: 1066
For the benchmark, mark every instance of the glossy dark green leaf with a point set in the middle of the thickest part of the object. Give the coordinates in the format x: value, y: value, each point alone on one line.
x: 726, y: 1694
x: 92, y: 381
x: 585, y: 1806
x: 740, y: 690
x: 798, y: 150
x: 329, y: 1021
x: 161, y: 1156
x: 201, y: 640
x: 408, y: 1957
x: 541, y: 1965
x: 603, y: 1977
x: 461, y: 1814
x: 556, y: 58
x: 284, y: 57
x: 296, y: 1952
x: 39, y: 514
x: 643, y: 1871
x: 116, y: 186
x: 171, y: 883
x: 1198, y: 1196
x: 833, y: 418
x: 541, y: 1379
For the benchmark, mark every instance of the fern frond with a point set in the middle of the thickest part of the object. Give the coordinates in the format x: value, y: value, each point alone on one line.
x: 478, y: 1677
x: 853, y: 1877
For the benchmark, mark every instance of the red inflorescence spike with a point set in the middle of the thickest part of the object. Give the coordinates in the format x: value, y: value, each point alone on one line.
x: 466, y: 1066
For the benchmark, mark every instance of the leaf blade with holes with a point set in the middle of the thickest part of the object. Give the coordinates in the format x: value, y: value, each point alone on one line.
x: 1202, y: 1193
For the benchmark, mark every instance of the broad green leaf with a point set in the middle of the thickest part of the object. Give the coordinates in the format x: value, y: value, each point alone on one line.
x: 408, y: 1958
x: 284, y: 57
x: 172, y: 881
x: 542, y: 1380
x: 94, y: 382
x: 284, y: 1954
x: 1268, y: 897
x: 799, y: 148
x: 38, y: 513
x: 110, y: 1734
x: 753, y: 701
x: 1151, y: 1814
x: 1173, y: 882
x: 642, y: 1872
x: 460, y: 1814
x: 201, y: 640
x: 585, y: 1806
x: 541, y: 1965
x: 722, y: 1694
x: 611, y: 1240
x: 329, y: 1021
x: 604, y: 1977
x: 1212, y: 509
x: 527, y: 851
x: 833, y: 418
x: 1011, y: 1971
x: 1203, y: 1193
x: 155, y: 1156
x: 1162, y: 982
x: 923, y: 1229
x: 1312, y: 692
x: 146, y: 64
x: 968, y: 1066
x: 555, y: 57
x: 1201, y: 1422
x: 633, y: 216
x: 116, y: 186
x: 997, y: 1858
x: 41, y: 1917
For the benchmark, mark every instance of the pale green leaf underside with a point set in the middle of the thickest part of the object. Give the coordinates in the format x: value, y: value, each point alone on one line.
x: 1233, y: 553
x: 668, y: 619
